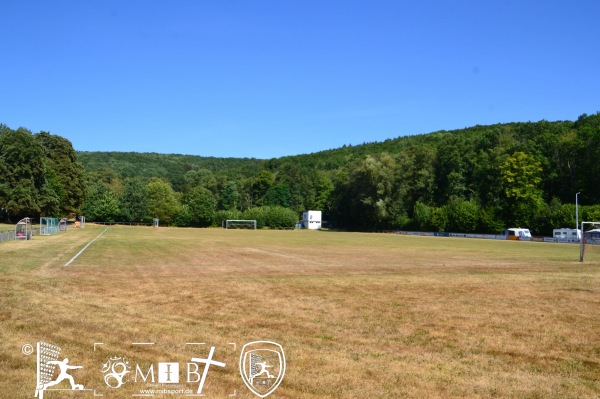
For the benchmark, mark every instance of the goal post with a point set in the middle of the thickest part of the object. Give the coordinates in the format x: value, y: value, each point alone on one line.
x: 590, y: 238
x: 240, y: 224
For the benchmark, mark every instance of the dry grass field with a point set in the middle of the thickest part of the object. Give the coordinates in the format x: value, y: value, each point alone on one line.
x: 358, y: 315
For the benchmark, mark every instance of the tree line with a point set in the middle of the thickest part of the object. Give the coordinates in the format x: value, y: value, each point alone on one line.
x: 478, y: 179
x: 39, y: 175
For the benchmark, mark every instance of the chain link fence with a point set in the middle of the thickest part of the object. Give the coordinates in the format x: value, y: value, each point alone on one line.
x: 7, y: 235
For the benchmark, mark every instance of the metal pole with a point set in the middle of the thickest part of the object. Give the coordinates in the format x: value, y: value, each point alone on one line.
x: 577, y: 228
x: 576, y: 211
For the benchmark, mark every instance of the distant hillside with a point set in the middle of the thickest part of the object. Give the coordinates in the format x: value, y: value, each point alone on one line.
x: 567, y: 151
x: 477, y: 179
x: 172, y: 167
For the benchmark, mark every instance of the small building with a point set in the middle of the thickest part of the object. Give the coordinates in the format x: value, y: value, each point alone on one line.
x: 311, y: 220
x: 566, y: 235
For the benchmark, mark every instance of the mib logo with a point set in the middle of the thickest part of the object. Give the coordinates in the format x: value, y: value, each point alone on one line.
x: 262, y: 366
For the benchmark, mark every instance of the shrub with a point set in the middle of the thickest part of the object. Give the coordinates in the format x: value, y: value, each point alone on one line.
x: 271, y: 216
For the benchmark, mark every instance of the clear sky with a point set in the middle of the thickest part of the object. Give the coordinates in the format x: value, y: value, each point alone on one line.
x: 268, y: 78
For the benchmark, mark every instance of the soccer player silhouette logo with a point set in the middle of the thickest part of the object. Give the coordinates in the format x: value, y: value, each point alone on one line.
x: 263, y: 370
x: 47, y: 357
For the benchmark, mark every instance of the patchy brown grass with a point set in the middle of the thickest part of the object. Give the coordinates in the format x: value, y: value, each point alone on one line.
x: 359, y: 315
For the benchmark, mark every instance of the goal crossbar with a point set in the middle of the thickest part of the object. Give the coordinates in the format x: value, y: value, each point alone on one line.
x: 240, y: 224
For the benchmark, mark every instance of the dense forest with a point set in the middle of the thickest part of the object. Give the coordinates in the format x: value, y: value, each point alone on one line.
x: 477, y: 179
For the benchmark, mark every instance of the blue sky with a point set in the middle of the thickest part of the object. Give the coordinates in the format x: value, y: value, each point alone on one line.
x: 269, y: 78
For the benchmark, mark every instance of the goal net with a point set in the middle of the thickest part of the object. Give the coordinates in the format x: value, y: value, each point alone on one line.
x: 589, y: 248
x: 240, y: 224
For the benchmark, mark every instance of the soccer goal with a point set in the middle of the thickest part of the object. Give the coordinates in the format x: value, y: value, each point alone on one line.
x: 240, y: 224
x: 590, y: 240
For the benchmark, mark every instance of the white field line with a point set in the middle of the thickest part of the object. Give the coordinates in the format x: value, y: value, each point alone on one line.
x: 286, y: 256
x: 84, y: 248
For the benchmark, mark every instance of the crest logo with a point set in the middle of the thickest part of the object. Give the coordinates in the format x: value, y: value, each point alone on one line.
x: 262, y: 366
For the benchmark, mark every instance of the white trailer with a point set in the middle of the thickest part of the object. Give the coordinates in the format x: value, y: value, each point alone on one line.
x: 566, y: 235
x: 517, y: 233
x: 311, y: 220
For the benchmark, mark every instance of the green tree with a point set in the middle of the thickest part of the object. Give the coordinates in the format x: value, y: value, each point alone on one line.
x: 463, y: 216
x: 279, y: 194
x: 201, y: 177
x: 416, y: 175
x: 202, y: 204
x: 64, y: 174
x: 301, y: 185
x: 110, y: 177
x: 439, y: 219
x: 587, y: 156
x: 230, y: 196
x: 23, y: 186
x: 183, y: 217
x: 490, y: 221
x: 101, y: 204
x: 590, y: 213
x: 451, y: 167
x: 162, y: 200
x: 260, y: 184
x: 134, y: 201
x: 325, y: 189
x: 422, y: 216
x: 430, y: 218
x: 521, y: 177
x: 363, y: 197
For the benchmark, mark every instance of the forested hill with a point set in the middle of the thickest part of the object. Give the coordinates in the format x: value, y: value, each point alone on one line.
x: 172, y: 167
x: 460, y: 162
x: 480, y: 178
x: 477, y: 179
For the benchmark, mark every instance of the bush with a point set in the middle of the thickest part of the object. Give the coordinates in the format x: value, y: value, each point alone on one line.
x: 463, y: 216
x: 183, y: 216
x: 271, y: 216
x: 221, y: 216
